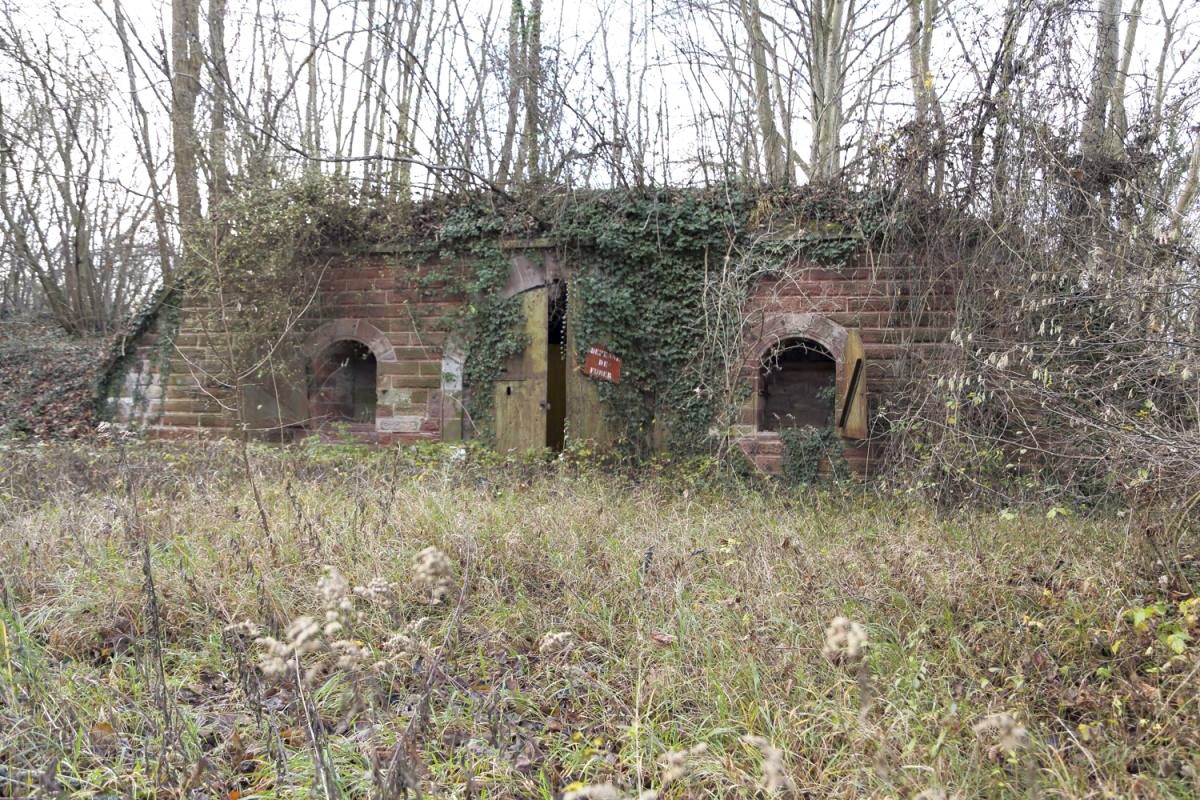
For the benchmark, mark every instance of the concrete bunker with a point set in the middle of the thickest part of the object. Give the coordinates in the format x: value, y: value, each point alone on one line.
x: 384, y: 361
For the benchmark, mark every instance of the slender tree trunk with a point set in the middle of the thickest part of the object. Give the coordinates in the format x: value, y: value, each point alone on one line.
x: 312, y: 125
x: 1120, y: 123
x: 339, y: 117
x: 516, y: 25
x: 217, y: 155
x: 929, y: 119
x: 1188, y: 192
x: 368, y: 81
x: 382, y: 99
x: 774, y: 155
x: 185, y: 89
x: 402, y: 170
x: 1104, y: 74
x: 529, y: 158
x: 826, y: 19
x: 142, y: 139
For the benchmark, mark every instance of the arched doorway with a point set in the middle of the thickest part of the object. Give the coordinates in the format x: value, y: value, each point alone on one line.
x: 343, y: 384
x: 797, y: 386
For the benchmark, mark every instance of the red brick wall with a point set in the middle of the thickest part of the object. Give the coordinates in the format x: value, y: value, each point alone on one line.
x: 902, y: 307
x: 379, y: 300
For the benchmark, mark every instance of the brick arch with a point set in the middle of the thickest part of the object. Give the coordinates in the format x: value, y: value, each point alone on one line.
x: 814, y: 327
x: 356, y: 330
x: 778, y: 328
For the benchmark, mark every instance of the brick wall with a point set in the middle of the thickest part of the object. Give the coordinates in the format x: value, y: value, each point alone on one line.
x: 900, y: 307
x: 138, y: 391
x: 377, y: 300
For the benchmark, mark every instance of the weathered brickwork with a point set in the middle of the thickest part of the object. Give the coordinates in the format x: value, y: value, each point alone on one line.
x: 375, y: 300
x: 899, y: 308
x: 902, y: 308
x: 137, y: 392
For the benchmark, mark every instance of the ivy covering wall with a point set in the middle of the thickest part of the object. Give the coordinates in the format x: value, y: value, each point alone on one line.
x: 638, y: 265
x: 637, y: 261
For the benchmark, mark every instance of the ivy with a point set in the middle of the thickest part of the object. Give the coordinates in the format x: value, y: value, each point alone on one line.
x: 805, y: 448
x: 639, y: 266
x: 489, y: 327
x: 637, y: 261
x: 162, y: 310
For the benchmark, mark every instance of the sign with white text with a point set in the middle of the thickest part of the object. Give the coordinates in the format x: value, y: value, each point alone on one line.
x: 601, y: 364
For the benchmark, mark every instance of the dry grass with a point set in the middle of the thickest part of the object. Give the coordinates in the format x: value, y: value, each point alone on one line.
x: 696, y: 617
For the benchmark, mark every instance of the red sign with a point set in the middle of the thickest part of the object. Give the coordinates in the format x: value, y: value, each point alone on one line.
x: 599, y: 363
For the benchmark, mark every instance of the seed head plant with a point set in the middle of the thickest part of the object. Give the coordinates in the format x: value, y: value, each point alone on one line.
x: 1007, y: 735
x: 328, y: 641
x: 845, y: 645
x: 402, y: 648
x: 431, y: 574
x: 605, y: 791
x: 556, y: 643
x: 845, y: 641
x: 280, y: 658
x: 244, y: 629
x: 775, y: 781
x: 934, y: 794
x: 676, y: 764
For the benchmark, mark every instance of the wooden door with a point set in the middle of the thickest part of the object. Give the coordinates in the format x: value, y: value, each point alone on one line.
x: 851, y: 411
x: 521, y: 388
x: 585, y: 413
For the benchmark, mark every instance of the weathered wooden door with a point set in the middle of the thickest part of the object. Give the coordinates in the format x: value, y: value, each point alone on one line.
x: 585, y: 413
x: 851, y: 410
x: 521, y: 388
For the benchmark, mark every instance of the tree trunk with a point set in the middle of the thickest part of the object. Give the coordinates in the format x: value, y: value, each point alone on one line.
x: 1104, y: 73
x: 516, y: 24
x: 185, y: 88
x: 162, y: 240
x: 929, y: 119
x: 219, y: 188
x: 827, y: 59
x: 530, y: 158
x: 1120, y: 123
x: 774, y: 153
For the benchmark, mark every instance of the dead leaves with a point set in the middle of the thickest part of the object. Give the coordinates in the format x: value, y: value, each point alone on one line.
x: 104, y: 739
x: 663, y: 638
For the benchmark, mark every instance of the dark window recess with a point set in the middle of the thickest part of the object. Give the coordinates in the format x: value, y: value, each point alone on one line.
x: 344, y: 387
x: 556, y: 367
x: 796, y: 386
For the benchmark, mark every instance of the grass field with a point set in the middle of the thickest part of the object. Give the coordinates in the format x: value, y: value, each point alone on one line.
x: 573, y: 627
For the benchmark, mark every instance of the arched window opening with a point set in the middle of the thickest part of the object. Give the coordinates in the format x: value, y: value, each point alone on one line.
x: 797, y: 380
x: 343, y: 387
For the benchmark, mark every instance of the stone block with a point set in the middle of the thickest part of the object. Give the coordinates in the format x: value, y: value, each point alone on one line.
x: 399, y: 424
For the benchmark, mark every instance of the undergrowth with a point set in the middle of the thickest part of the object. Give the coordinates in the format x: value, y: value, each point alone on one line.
x: 427, y: 621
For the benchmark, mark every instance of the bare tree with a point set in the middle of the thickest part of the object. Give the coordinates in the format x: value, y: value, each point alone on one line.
x: 923, y: 15
x: 67, y: 214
